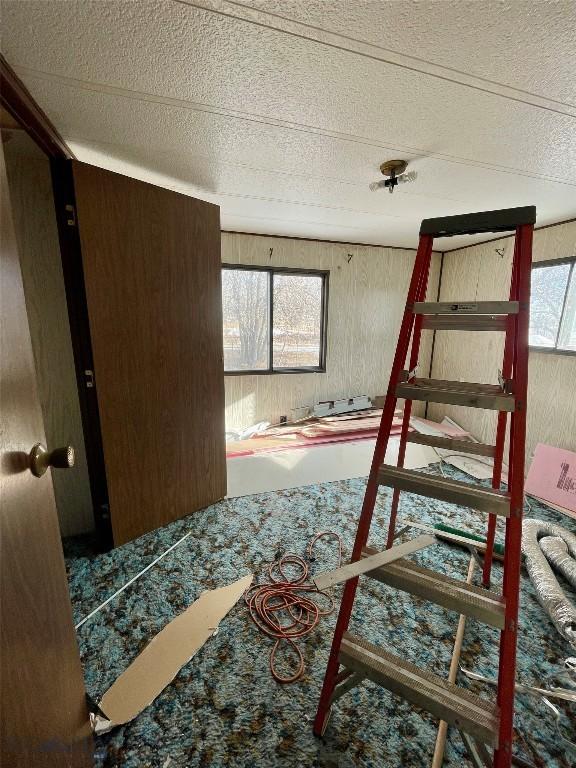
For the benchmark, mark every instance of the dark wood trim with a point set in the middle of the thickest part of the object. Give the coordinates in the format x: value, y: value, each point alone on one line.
x: 391, y: 247
x: 330, y: 242
x: 277, y: 270
x: 274, y: 371
x: 512, y: 234
x: 17, y: 100
x: 73, y: 272
x: 553, y: 262
x: 553, y: 351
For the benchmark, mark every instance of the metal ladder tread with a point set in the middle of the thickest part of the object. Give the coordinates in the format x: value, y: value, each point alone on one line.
x: 454, y: 386
x: 464, y: 323
x: 446, y: 591
x: 488, y: 396
x: 442, y: 699
x: 445, y: 489
x: 449, y: 444
x: 466, y: 307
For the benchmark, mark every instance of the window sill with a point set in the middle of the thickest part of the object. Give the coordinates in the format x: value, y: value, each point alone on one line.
x: 274, y: 372
x: 553, y: 351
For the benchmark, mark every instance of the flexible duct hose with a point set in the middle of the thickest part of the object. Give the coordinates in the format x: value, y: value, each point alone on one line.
x: 543, y: 542
x: 558, y: 555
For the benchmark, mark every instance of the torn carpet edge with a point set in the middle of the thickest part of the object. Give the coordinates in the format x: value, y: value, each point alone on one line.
x: 165, y: 655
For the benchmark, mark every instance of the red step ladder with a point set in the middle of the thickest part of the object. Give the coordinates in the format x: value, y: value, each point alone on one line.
x: 487, y: 723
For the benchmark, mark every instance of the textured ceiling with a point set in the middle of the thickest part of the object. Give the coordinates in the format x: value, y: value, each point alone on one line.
x: 281, y: 111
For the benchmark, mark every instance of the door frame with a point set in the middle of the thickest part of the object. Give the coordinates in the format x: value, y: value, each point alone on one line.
x: 19, y: 103
x: 17, y: 100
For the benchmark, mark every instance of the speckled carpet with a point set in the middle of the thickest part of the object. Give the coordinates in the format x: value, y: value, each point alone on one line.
x: 223, y: 709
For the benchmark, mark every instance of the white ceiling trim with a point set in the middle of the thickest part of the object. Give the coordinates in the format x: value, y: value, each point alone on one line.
x: 325, y: 37
x: 142, y: 96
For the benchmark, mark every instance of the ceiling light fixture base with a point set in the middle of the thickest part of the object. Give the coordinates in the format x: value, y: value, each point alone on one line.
x: 393, y: 167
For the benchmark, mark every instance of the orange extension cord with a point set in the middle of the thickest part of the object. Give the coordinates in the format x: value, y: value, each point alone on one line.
x: 284, y: 608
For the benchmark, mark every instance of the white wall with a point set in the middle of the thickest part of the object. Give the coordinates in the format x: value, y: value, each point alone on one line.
x: 479, y: 273
x: 366, y: 298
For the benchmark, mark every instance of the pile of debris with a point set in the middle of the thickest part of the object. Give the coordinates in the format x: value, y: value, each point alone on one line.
x: 337, y: 421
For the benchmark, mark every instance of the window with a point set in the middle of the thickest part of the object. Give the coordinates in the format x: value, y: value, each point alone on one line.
x: 274, y: 320
x: 553, y: 306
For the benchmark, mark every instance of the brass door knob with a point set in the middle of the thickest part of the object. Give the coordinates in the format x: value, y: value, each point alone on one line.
x: 41, y: 459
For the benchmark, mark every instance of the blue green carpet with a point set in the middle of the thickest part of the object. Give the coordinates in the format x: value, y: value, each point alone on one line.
x: 223, y: 709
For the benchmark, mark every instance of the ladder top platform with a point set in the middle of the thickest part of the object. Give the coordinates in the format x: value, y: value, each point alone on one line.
x: 503, y: 220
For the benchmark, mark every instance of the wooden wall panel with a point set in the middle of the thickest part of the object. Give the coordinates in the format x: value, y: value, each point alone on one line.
x: 35, y: 221
x: 44, y: 721
x: 152, y: 270
x: 366, y: 299
x: 481, y: 273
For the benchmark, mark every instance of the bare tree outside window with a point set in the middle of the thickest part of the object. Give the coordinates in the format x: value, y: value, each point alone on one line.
x: 297, y: 320
x: 292, y: 338
x: 245, y: 305
x: 553, y: 307
x: 567, y: 339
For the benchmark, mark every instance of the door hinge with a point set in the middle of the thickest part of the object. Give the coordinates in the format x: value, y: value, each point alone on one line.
x: 71, y: 215
x: 89, y: 378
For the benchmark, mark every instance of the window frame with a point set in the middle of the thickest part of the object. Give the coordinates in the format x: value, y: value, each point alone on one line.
x: 271, y: 370
x: 555, y: 350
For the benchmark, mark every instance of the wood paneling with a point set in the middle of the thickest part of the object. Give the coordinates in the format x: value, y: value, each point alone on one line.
x: 152, y: 270
x: 16, y: 99
x: 35, y: 222
x: 44, y: 719
x: 479, y: 273
x: 366, y: 299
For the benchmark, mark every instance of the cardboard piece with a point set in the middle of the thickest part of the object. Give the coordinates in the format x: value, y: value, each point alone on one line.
x: 165, y: 655
x: 447, y: 428
x: 480, y: 467
x: 552, y: 476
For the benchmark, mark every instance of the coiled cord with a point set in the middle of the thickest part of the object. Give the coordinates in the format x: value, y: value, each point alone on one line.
x: 284, y: 608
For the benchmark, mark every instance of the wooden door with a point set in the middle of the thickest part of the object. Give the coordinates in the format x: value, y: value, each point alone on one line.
x: 44, y: 719
x: 151, y: 260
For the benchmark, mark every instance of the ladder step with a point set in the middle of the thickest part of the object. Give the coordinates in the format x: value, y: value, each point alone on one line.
x: 446, y: 591
x: 464, y: 323
x: 489, y: 396
x: 445, y: 489
x: 444, y: 700
x: 449, y: 444
x: 466, y: 307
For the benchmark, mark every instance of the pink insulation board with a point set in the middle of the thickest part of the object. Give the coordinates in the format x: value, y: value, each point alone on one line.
x: 552, y: 476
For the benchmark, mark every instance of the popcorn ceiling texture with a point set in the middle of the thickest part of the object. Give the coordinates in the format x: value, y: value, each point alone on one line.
x: 282, y: 113
x: 223, y: 708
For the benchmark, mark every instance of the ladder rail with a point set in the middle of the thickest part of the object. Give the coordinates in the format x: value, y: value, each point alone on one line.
x: 509, y: 344
x: 512, y: 544
x: 421, y: 266
x: 414, y: 351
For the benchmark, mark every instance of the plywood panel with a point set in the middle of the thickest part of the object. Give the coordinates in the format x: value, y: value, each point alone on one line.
x: 481, y: 272
x: 152, y: 270
x: 35, y: 221
x: 366, y: 298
